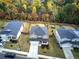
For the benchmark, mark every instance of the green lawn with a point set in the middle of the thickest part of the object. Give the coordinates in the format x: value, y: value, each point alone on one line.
x: 53, y: 50
x: 24, y: 38
x: 75, y: 26
x: 2, y: 23
x: 75, y: 54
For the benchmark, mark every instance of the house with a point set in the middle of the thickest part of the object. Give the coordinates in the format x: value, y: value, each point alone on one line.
x: 67, y: 38
x: 38, y: 33
x: 38, y: 37
x: 11, y: 31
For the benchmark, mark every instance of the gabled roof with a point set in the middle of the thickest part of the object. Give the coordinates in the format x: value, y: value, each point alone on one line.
x: 39, y: 31
x: 64, y: 33
x: 65, y: 36
x: 76, y: 32
x: 12, y: 28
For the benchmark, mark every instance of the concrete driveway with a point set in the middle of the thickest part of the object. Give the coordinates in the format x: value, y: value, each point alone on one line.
x: 33, y: 51
x: 68, y: 53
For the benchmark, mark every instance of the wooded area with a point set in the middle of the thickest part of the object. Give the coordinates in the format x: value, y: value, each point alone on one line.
x: 63, y: 11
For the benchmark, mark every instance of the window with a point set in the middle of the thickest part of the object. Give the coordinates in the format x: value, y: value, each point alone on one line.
x: 0, y: 40
x: 13, y: 37
x: 9, y: 37
x: 44, y: 42
x: 0, y: 36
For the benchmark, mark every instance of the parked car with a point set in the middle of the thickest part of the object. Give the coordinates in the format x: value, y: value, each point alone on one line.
x: 10, y: 55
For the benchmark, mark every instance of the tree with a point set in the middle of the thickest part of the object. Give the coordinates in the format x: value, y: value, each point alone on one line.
x: 29, y: 10
x: 49, y: 4
x: 34, y: 10
x: 41, y: 10
x: 6, y: 1
x: 69, y: 14
x: 36, y: 3
x: 70, y: 9
x: 69, y: 1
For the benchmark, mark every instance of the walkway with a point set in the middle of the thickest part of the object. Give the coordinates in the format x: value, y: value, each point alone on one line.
x: 68, y: 53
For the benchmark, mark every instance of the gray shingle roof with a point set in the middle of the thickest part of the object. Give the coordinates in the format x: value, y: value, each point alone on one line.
x: 67, y: 34
x: 39, y: 31
x: 75, y: 43
x: 12, y: 28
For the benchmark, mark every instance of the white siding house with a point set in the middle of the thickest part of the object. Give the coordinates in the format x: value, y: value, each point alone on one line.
x: 67, y: 38
x: 11, y: 31
x: 40, y: 34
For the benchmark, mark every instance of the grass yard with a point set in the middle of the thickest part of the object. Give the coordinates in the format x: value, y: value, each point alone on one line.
x: 75, y: 26
x: 75, y: 54
x: 24, y: 43
x: 65, y: 26
x: 68, y: 27
x: 24, y: 38
x: 11, y: 45
x: 57, y: 26
x: 53, y: 50
x: 2, y: 23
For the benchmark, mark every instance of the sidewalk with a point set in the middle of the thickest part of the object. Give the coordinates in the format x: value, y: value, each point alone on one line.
x: 26, y: 53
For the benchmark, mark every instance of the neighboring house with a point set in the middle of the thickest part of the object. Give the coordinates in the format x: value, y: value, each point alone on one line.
x: 67, y: 38
x: 11, y: 31
x: 40, y: 34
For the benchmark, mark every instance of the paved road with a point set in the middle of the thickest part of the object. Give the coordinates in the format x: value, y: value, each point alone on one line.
x: 17, y: 57
x: 24, y: 57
